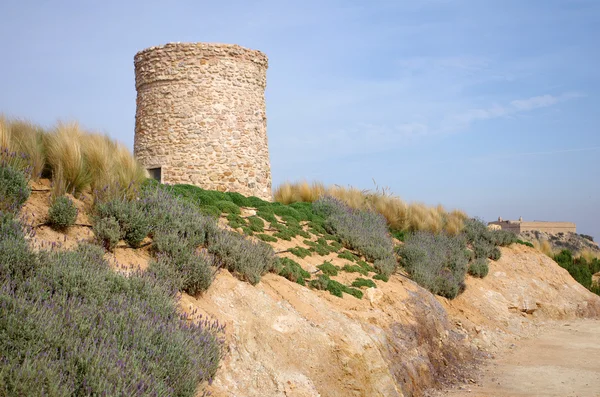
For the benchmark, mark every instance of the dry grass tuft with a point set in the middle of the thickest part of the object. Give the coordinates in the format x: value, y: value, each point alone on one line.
x: 70, y: 173
x: 399, y: 214
x: 544, y: 247
x: 589, y: 255
x: 74, y: 159
x: 27, y: 138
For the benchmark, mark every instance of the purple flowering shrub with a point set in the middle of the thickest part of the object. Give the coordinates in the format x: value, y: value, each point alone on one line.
x: 360, y: 230
x: 437, y: 262
x: 14, y: 188
x: 71, y: 326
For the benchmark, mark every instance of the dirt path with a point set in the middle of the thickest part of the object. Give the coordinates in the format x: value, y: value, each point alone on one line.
x: 563, y: 361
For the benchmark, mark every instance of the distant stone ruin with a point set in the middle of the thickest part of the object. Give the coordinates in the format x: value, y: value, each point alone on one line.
x: 200, y: 116
x: 521, y: 226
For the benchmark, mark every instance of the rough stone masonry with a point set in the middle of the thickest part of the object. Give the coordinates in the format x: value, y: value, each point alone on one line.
x: 200, y: 116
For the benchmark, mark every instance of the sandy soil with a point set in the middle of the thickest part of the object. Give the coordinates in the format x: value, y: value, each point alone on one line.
x: 563, y: 361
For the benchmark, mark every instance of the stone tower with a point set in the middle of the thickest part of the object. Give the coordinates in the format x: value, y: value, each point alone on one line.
x: 200, y: 116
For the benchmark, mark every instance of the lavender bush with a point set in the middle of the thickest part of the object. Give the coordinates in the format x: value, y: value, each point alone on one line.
x: 437, y: 262
x: 14, y: 188
x: 363, y: 231
x: 62, y: 213
x: 72, y: 327
x: 249, y: 260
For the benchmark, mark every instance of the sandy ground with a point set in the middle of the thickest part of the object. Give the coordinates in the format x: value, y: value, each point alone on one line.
x: 563, y: 361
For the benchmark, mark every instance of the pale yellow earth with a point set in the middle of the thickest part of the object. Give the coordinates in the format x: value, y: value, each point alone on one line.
x: 563, y: 361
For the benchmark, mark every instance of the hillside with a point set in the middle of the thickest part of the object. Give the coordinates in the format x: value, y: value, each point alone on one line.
x: 285, y: 339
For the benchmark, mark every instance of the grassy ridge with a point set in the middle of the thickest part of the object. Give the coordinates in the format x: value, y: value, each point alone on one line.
x: 400, y: 216
x: 74, y: 159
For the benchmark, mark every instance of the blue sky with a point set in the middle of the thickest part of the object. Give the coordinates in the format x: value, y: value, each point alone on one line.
x: 489, y: 106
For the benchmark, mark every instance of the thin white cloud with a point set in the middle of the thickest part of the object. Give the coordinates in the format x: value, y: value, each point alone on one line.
x: 534, y: 102
x: 463, y: 120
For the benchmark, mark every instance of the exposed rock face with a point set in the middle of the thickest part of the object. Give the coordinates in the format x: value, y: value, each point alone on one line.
x: 574, y: 242
x: 288, y: 340
x: 201, y: 117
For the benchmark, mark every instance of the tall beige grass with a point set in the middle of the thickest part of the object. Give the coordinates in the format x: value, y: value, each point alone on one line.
x: 588, y: 254
x: 70, y: 173
x: 74, y: 159
x: 399, y: 214
x: 544, y: 247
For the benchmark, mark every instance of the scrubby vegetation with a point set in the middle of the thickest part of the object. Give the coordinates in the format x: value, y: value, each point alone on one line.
x: 400, y: 216
x: 579, y: 268
x: 71, y: 326
x: 439, y: 262
x: 363, y: 231
x: 74, y: 159
x: 291, y: 270
x: 62, y: 213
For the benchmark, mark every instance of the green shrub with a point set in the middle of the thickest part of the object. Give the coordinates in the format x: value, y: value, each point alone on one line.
x: 337, y: 289
x: 247, y: 259
x: 265, y: 212
x: 228, y: 207
x: 266, y: 237
x: 320, y: 282
x: 328, y: 269
x: 14, y: 188
x: 300, y: 252
x: 436, y: 262
x: 286, y: 211
x: 210, y: 210
x: 256, y: 224
x: 292, y: 271
x: 321, y: 247
x: 363, y: 282
x: 527, y: 243
x: 366, y: 266
x: 235, y: 221
x: 579, y: 268
x: 107, y: 232
x: 479, y: 268
x: 399, y: 234
x: 495, y: 254
x: 286, y: 233
x: 355, y: 269
x: 381, y: 277
x: 238, y: 199
x: 62, y: 213
x: 256, y: 202
x: 349, y: 256
x: 186, y: 271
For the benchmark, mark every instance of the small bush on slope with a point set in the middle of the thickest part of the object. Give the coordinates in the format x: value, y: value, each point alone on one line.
x: 133, y: 221
x: 479, y: 268
x: 363, y: 231
x: 186, y: 271
x: 485, y: 241
x: 247, y: 259
x: 14, y: 188
x: 71, y: 326
x: 291, y: 270
x: 62, y: 213
x: 436, y: 262
x: 107, y: 232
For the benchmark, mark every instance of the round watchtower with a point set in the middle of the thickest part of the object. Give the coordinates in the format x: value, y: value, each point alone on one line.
x: 200, y: 116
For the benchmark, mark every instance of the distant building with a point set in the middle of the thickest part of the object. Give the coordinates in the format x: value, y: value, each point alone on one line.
x: 540, y: 226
